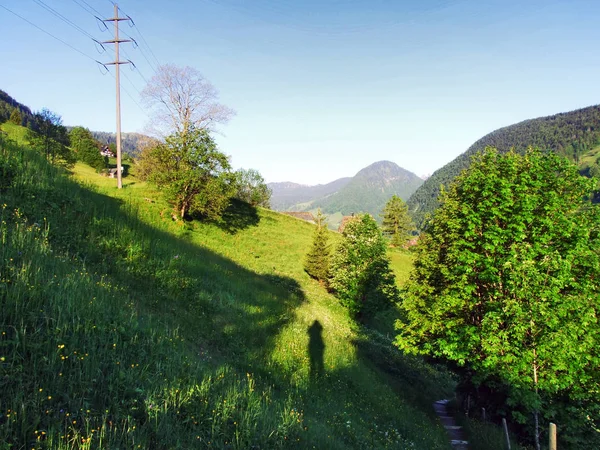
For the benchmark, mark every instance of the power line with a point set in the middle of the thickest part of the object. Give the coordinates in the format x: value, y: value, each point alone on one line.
x: 50, y: 34
x: 64, y: 19
x: 142, y: 51
x: 143, y: 39
x: 91, y: 9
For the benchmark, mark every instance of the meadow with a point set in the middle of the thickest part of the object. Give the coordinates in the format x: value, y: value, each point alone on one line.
x: 124, y: 328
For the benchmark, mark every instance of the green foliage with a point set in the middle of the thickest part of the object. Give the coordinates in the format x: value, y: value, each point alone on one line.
x: 15, y: 117
x: 505, y: 280
x: 251, y: 188
x: 87, y: 148
x: 316, y: 263
x: 51, y: 138
x: 123, y: 329
x: 193, y: 174
x: 360, y: 273
x: 397, y: 223
x: 567, y: 134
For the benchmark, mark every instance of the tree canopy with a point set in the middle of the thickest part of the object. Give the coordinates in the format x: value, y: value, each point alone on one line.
x: 180, y: 98
x: 251, y: 188
x: 192, y: 173
x: 360, y: 273
x: 506, y: 277
x: 316, y: 262
x: 397, y: 223
x: 86, y: 148
x: 50, y: 137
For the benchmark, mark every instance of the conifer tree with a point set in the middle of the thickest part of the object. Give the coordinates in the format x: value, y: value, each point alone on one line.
x: 15, y: 117
x: 316, y: 263
x: 397, y: 223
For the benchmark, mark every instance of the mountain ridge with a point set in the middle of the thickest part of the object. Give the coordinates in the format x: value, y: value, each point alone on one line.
x: 366, y: 192
x: 572, y: 134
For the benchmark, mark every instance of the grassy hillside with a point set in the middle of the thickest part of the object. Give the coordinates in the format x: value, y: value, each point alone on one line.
x: 573, y: 134
x: 123, y: 328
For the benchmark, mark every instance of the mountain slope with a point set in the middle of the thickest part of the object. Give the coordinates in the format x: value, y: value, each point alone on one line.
x: 370, y: 189
x: 132, y: 143
x: 573, y: 134
x: 287, y: 194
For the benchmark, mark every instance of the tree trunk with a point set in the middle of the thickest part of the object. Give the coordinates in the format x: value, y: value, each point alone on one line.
x: 536, y: 419
x: 537, y: 429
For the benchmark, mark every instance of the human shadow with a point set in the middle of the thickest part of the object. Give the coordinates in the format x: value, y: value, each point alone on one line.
x: 316, y: 350
x: 238, y: 216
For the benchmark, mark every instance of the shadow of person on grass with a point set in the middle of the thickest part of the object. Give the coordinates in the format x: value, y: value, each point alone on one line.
x: 316, y: 350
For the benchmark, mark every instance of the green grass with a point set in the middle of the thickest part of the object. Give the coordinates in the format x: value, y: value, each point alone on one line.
x: 124, y: 328
x: 15, y: 132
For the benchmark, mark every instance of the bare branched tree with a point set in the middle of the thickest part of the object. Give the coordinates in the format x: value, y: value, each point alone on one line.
x: 180, y: 99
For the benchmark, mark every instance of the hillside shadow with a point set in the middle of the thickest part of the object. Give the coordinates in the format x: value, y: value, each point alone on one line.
x: 215, y: 303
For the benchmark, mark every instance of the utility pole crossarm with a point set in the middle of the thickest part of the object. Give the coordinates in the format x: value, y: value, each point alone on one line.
x: 116, y: 41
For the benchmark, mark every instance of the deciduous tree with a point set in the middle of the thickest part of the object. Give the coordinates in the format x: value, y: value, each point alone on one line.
x: 360, y: 273
x: 506, y: 277
x: 180, y: 99
x: 51, y: 138
x: 87, y: 148
x: 252, y: 189
x: 192, y: 173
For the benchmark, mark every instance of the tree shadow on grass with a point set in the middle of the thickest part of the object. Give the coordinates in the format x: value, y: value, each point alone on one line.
x: 238, y: 216
x: 226, y: 314
x: 214, y: 301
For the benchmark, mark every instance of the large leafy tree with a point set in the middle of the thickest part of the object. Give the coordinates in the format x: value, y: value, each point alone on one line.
x: 252, y: 189
x: 506, y: 278
x: 316, y: 263
x: 87, y: 148
x: 192, y: 173
x: 50, y: 136
x: 360, y: 272
x: 397, y: 223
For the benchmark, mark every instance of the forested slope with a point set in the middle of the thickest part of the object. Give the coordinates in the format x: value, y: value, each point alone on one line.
x: 571, y: 134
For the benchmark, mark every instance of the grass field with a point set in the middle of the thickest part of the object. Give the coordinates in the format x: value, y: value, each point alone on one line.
x: 124, y: 328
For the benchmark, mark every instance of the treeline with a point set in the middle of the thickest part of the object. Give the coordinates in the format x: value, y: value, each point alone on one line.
x: 131, y: 143
x: 570, y: 134
x: 9, y: 105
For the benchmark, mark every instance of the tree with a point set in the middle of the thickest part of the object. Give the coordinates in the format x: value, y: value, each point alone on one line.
x: 506, y: 280
x: 360, y: 272
x: 252, y: 189
x: 87, y: 148
x: 180, y: 99
x: 397, y: 223
x: 192, y: 173
x: 316, y: 263
x: 49, y: 136
x: 15, y: 117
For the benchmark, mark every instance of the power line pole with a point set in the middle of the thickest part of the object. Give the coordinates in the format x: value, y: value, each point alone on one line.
x: 116, y: 19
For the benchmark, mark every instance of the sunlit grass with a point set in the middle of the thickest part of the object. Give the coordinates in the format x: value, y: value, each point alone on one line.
x: 126, y: 328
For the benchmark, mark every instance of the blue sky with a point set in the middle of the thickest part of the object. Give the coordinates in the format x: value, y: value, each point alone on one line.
x: 321, y: 88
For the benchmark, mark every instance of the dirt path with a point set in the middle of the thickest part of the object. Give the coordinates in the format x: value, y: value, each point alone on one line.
x: 457, y: 435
